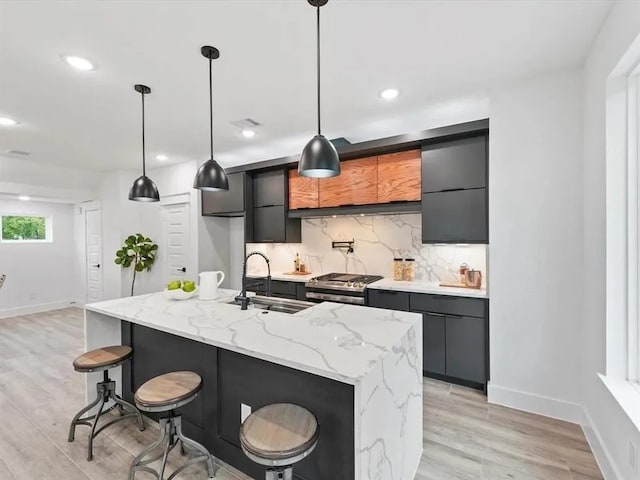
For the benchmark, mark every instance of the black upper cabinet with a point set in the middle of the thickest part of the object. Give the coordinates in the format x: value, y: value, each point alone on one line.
x: 270, y: 220
x: 230, y: 203
x: 269, y: 188
x: 455, y: 217
x: 455, y: 165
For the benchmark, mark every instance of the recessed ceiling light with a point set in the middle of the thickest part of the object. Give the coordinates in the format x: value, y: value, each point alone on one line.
x: 161, y: 157
x: 248, y: 133
x: 389, y: 93
x: 24, y: 198
x: 79, y: 63
x: 7, y: 122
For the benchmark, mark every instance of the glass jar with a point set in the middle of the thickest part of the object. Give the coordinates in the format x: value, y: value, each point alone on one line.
x: 398, y: 269
x: 409, y: 269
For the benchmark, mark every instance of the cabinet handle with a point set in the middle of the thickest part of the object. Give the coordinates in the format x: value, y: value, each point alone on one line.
x: 388, y: 292
x: 454, y: 316
x: 346, y: 205
x: 399, y: 201
x: 445, y: 297
x: 433, y: 314
x: 451, y: 189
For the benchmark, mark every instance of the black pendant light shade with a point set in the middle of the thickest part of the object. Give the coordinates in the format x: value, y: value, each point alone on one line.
x: 211, y: 176
x: 143, y: 189
x: 319, y: 158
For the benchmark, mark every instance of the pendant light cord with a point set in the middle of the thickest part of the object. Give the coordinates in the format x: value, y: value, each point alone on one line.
x: 318, y: 61
x: 144, y: 166
x: 211, y: 105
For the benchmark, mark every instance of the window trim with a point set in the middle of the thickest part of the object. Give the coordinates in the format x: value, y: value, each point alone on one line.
x: 48, y: 229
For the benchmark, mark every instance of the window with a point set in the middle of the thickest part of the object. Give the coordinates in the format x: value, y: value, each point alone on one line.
x: 26, y: 228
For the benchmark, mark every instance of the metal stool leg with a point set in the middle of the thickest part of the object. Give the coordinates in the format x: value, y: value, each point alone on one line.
x: 92, y: 433
x: 76, y: 420
x: 139, y: 463
x: 106, y: 390
x: 204, y: 453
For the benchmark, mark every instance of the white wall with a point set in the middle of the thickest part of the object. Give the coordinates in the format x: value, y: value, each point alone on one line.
x: 40, y: 276
x: 609, y: 426
x: 535, y: 270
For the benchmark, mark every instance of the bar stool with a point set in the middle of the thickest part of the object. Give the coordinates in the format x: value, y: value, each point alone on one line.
x: 279, y: 436
x: 102, y: 359
x: 165, y: 393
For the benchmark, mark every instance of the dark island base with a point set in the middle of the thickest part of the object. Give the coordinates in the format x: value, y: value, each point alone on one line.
x: 213, y: 418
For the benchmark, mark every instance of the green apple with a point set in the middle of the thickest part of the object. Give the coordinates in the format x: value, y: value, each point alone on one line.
x: 189, y: 286
x: 174, y: 285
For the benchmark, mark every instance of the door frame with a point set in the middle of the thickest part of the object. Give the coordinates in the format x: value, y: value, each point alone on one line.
x: 177, y: 199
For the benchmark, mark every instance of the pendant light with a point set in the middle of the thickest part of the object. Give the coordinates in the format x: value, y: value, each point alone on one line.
x: 143, y: 189
x: 211, y: 176
x: 319, y: 157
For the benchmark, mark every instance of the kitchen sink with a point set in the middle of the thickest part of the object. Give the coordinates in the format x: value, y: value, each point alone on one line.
x: 275, y: 304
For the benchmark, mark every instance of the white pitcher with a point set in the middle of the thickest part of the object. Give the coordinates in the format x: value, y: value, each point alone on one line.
x: 209, y: 284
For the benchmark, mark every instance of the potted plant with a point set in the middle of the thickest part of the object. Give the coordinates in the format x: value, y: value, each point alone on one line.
x: 138, y: 251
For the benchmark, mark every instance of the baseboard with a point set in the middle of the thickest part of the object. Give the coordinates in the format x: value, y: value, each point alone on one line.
x: 43, y: 307
x: 600, y: 452
x: 531, y: 402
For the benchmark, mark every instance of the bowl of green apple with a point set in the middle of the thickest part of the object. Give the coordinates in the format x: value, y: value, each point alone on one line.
x: 180, y: 289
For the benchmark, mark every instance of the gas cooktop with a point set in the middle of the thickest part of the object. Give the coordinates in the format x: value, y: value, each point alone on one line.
x: 343, y: 281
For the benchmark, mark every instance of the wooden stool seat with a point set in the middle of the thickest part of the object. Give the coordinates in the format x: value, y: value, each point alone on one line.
x: 168, y: 391
x: 102, y: 358
x: 279, y: 434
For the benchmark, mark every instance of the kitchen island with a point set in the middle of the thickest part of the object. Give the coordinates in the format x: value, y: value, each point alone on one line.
x: 358, y: 369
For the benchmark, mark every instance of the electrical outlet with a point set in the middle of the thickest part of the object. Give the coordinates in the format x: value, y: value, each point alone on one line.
x: 633, y: 457
x: 245, y: 411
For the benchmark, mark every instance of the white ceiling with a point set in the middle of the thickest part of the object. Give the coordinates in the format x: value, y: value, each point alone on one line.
x: 444, y: 57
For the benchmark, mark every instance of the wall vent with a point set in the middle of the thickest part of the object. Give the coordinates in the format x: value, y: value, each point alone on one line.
x: 245, y: 123
x: 18, y: 153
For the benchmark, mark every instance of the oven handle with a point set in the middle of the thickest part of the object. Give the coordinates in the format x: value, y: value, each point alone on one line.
x: 336, y: 298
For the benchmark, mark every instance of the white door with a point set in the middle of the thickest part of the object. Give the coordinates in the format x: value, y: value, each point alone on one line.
x: 177, y: 254
x: 93, y: 239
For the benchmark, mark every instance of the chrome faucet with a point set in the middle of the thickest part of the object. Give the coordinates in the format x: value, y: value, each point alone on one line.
x: 242, y: 298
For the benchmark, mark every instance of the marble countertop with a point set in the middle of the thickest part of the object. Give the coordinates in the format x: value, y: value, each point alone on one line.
x: 284, y: 276
x: 342, y: 342
x: 426, y: 287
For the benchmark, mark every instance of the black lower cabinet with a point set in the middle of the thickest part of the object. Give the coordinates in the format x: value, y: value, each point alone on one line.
x: 465, y: 350
x: 455, y: 333
x: 231, y: 379
x: 433, y: 343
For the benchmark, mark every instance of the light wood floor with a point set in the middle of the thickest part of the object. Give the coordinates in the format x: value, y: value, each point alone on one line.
x: 464, y: 436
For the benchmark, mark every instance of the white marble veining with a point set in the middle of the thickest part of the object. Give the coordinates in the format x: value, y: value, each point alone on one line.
x: 427, y: 287
x: 377, y: 351
x: 378, y: 239
x: 343, y: 342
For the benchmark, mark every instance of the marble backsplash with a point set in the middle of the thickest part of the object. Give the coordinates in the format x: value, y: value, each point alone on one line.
x: 378, y: 239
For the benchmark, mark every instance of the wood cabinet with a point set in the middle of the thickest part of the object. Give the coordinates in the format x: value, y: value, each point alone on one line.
x: 356, y: 184
x: 303, y: 191
x: 399, y: 177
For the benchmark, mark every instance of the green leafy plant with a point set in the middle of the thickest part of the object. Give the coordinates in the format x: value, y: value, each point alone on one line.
x: 139, y: 251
